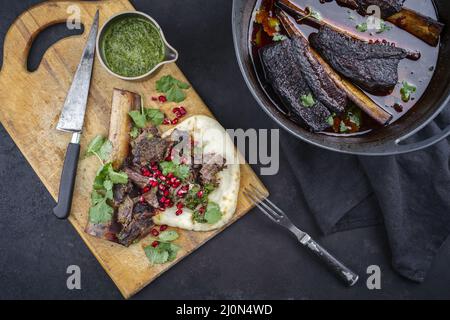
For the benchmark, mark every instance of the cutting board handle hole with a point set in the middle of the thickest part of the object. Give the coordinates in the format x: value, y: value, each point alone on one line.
x: 45, y: 39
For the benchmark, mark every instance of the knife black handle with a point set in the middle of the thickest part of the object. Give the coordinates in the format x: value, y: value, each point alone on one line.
x: 66, y: 186
x: 337, y: 267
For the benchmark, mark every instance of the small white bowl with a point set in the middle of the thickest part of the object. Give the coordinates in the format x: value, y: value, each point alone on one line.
x: 170, y: 55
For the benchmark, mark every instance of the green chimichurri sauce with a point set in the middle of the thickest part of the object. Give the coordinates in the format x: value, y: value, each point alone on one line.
x: 132, y: 46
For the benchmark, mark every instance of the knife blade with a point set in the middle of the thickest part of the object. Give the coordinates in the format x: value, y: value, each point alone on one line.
x: 72, y: 119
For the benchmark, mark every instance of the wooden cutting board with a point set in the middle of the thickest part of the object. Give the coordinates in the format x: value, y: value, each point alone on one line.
x: 30, y: 108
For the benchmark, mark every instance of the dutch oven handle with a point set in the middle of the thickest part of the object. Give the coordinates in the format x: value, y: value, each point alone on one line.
x: 416, y: 146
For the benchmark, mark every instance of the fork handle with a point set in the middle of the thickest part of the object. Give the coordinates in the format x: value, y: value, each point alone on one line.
x: 338, y: 268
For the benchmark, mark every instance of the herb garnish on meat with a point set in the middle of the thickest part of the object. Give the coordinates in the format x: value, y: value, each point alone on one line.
x: 101, y: 211
x: 406, y: 90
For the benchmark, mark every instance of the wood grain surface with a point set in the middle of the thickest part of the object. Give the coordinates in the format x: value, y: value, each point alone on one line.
x: 30, y: 108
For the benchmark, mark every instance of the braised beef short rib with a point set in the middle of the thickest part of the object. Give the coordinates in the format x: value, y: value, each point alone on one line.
x: 387, y: 7
x: 372, y: 66
x: 294, y: 73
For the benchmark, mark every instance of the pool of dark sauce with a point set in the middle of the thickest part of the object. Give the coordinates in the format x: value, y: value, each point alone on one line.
x: 418, y: 73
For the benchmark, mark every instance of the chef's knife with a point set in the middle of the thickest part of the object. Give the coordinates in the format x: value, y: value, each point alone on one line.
x: 71, y: 120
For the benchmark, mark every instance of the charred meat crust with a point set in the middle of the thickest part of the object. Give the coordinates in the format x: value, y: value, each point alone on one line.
x: 387, y: 7
x: 318, y: 80
x: 149, y: 147
x: 285, y: 75
x: 372, y: 66
x: 139, y: 225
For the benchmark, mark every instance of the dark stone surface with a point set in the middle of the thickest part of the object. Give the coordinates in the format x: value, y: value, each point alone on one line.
x: 250, y: 260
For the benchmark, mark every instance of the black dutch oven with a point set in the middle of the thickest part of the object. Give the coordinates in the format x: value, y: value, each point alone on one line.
x: 385, y: 141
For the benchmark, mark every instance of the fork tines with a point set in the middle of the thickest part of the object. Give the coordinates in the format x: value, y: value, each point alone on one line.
x: 259, y: 199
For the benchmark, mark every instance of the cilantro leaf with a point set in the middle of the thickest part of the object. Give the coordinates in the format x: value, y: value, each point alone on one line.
x: 172, y: 87
x: 382, y: 27
x: 171, y: 249
x: 212, y: 214
x: 156, y: 255
x: 164, y: 83
x: 108, y: 185
x: 279, y: 37
x: 330, y: 120
x: 179, y: 170
x: 307, y: 100
x: 101, y: 212
x: 96, y: 197
x: 105, y: 150
x: 99, y: 146
x: 134, y: 132
x: 354, y: 115
x: 139, y: 119
x: 155, y: 116
x: 117, y: 177
x: 343, y: 127
x: 168, y: 235
x: 175, y: 94
x: 406, y: 90
x: 101, y: 176
x: 362, y: 27
x: 95, y: 145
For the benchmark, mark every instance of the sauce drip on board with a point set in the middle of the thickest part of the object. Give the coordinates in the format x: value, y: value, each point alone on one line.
x: 417, y: 73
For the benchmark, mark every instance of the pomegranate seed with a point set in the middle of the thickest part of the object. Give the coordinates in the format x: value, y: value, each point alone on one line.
x: 169, y: 158
x: 162, y: 178
x: 145, y: 172
x: 154, y: 183
x: 201, y: 210
x: 172, y: 179
x: 167, y: 202
x: 155, y: 244
x: 170, y: 175
x: 174, y: 121
x: 162, y: 187
x: 155, y: 232
x: 176, y: 184
x: 142, y: 199
x: 162, y: 99
x: 180, y: 194
x: 176, y: 110
x: 200, y: 194
x: 166, y: 193
x: 178, y: 212
x: 179, y: 205
x: 157, y: 172
x: 185, y: 187
x: 170, y: 205
x: 145, y: 190
x: 182, y: 111
x: 154, y: 98
x: 163, y: 227
x: 166, y: 121
x: 163, y: 199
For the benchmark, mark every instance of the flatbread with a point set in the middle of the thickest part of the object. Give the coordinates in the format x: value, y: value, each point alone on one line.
x: 213, y: 139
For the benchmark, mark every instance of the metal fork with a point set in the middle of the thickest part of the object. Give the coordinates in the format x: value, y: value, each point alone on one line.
x: 275, y: 214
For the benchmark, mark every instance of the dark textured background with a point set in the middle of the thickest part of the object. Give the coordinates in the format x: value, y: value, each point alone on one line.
x: 250, y: 260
